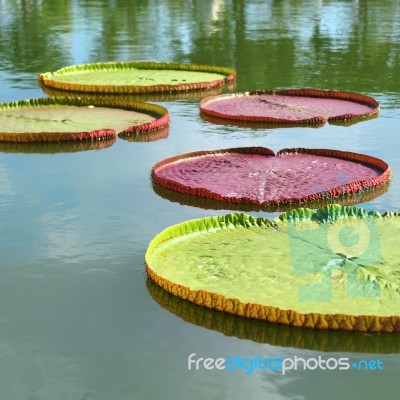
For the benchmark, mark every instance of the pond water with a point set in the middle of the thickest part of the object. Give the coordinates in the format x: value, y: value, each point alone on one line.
x: 79, y: 320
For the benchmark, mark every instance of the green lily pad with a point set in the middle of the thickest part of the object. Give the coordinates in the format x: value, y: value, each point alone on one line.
x: 64, y: 119
x: 335, y: 268
x: 137, y: 77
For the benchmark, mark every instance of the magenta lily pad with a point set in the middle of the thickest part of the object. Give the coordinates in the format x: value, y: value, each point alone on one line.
x: 295, y: 106
x: 255, y: 175
x: 206, y: 203
x: 72, y: 118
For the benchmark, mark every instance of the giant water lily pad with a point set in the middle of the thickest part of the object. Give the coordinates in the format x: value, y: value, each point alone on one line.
x: 292, y: 106
x: 64, y: 119
x: 255, y: 175
x: 137, y: 77
x: 336, y: 268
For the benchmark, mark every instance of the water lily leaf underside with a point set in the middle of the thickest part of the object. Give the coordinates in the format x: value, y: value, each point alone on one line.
x: 336, y: 268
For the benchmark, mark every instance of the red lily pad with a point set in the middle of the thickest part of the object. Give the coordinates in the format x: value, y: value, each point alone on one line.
x: 255, y: 175
x: 206, y: 203
x: 295, y: 106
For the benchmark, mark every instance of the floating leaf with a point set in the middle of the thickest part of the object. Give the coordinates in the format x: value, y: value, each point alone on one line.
x: 68, y: 118
x: 137, y: 77
x: 255, y: 175
x: 337, y: 268
x: 292, y: 106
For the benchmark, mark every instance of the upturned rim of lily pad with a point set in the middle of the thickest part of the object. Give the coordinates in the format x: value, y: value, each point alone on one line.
x: 160, y: 114
x: 318, y: 120
x: 332, y: 193
x: 54, y: 79
x: 146, y: 97
x: 206, y: 203
x: 368, y: 322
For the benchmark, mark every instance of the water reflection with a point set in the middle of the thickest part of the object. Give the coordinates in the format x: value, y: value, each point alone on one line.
x: 150, y: 136
x: 55, y: 147
x: 34, y: 34
x: 273, y: 334
x: 7, y: 189
x: 336, y: 45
